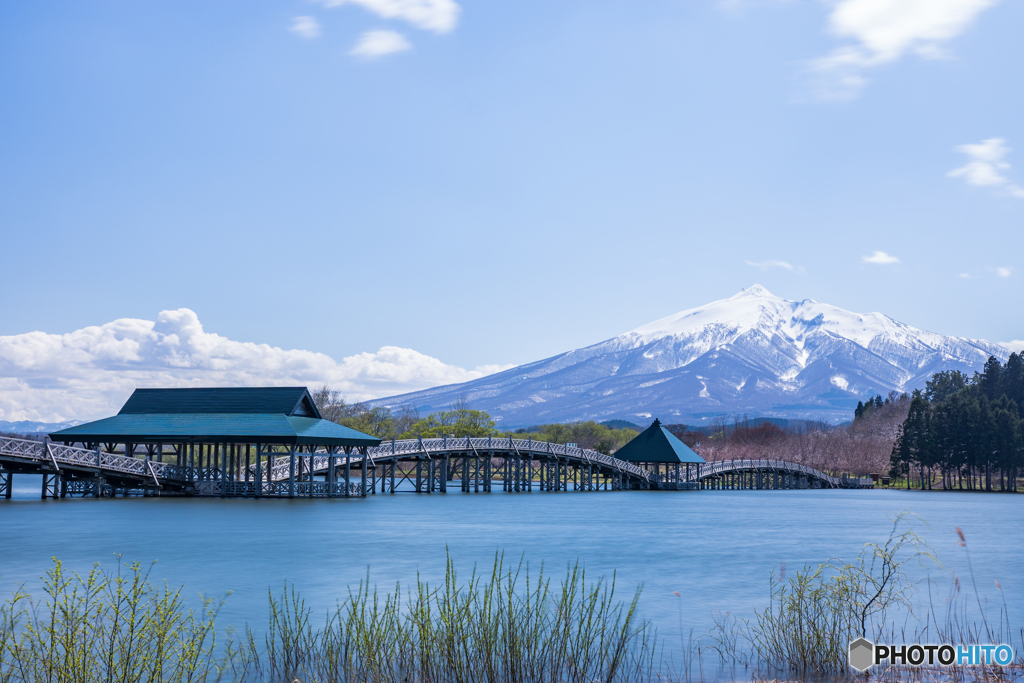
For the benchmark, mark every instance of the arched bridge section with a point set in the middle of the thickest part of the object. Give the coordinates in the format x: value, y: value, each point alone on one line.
x: 476, y: 464
x: 768, y: 474
x: 415, y: 465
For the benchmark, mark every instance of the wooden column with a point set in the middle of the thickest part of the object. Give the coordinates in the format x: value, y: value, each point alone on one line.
x: 332, y: 475
x: 291, y: 472
x: 259, y: 471
x: 348, y: 470
x: 362, y: 490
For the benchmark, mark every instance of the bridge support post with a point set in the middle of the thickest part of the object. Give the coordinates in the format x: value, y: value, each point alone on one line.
x: 51, y: 486
x: 309, y: 472
x: 220, y: 454
x: 291, y: 472
x: 487, y: 471
x: 366, y: 458
x: 443, y: 473
x: 7, y: 482
x: 348, y: 471
x: 259, y: 470
x: 332, y: 475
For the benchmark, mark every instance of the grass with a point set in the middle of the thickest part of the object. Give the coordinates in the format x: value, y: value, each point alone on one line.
x: 504, y: 625
x: 107, y: 627
x: 815, y: 613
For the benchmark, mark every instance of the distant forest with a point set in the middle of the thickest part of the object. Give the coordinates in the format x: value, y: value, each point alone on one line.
x: 460, y: 420
x: 861, y: 447
x: 965, y: 432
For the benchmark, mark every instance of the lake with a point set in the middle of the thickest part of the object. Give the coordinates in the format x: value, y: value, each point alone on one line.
x: 716, y: 548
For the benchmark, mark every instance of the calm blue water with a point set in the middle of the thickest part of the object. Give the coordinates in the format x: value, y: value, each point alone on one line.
x: 716, y: 548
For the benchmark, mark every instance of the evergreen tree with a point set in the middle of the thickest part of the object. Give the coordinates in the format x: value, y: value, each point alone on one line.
x: 969, y: 431
x: 1013, y: 379
x: 991, y: 379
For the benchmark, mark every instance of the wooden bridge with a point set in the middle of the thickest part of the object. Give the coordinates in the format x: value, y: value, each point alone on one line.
x: 772, y: 474
x: 416, y: 465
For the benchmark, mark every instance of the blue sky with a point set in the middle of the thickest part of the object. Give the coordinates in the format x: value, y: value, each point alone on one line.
x: 490, y: 183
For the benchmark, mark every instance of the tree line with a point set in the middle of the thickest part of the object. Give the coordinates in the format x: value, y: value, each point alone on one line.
x: 459, y: 420
x: 860, y: 447
x: 965, y: 432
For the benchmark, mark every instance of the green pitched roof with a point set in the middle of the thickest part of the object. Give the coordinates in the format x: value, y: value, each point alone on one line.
x: 274, y: 415
x: 657, y: 444
x: 284, y: 400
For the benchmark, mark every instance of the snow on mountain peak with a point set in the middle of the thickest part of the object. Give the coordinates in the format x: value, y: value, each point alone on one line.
x: 755, y: 308
x: 753, y: 353
x: 755, y: 290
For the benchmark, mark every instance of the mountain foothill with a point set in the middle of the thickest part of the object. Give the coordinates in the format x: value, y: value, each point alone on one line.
x: 752, y: 354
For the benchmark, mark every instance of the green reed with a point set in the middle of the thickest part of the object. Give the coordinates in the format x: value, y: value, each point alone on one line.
x: 505, y: 626
x: 113, y: 627
x: 814, y: 613
x: 508, y: 625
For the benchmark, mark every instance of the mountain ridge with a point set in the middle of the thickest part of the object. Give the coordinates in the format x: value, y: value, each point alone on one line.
x: 753, y: 353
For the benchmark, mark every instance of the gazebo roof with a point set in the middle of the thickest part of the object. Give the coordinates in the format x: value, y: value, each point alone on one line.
x: 275, y: 415
x: 657, y: 445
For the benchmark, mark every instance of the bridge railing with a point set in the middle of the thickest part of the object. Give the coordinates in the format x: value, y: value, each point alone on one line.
x: 719, y: 466
x: 83, y: 457
x: 464, y: 445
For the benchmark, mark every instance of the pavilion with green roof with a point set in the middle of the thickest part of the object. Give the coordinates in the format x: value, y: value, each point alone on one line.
x: 659, y: 451
x: 229, y: 441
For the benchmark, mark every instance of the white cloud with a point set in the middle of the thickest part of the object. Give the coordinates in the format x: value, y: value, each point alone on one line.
x: 90, y: 372
x: 882, y: 32
x: 1013, y: 346
x: 1004, y: 272
x: 765, y: 265
x: 880, y: 258
x: 373, y: 44
x: 985, y: 166
x: 307, y: 27
x: 439, y: 16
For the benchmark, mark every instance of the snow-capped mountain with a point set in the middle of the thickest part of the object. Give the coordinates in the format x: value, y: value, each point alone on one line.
x: 30, y: 427
x: 754, y: 354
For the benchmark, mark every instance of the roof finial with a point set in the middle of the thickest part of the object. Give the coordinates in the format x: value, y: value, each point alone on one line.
x: 657, y: 423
